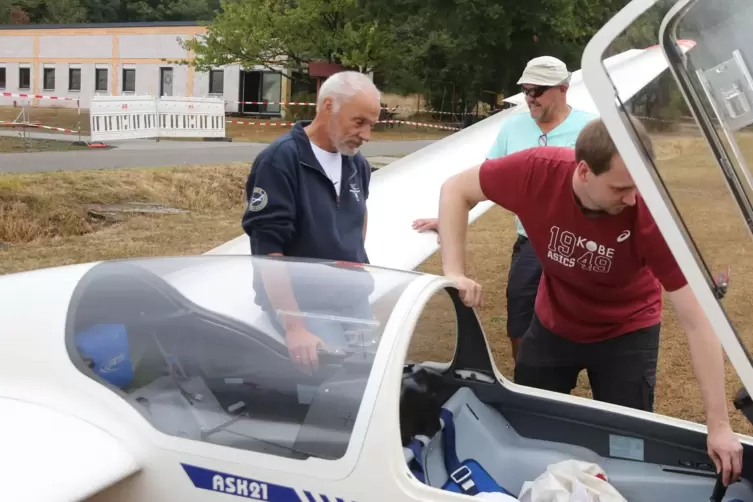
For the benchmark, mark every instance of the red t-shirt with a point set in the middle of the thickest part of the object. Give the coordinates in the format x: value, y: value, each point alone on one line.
x: 602, y: 277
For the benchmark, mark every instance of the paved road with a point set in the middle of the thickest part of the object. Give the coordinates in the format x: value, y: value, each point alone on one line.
x: 150, y: 153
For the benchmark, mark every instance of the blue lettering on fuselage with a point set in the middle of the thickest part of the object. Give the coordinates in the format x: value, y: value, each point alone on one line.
x: 253, y: 489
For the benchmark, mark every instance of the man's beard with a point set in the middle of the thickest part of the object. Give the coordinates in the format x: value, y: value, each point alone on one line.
x: 341, y: 145
x: 344, y: 149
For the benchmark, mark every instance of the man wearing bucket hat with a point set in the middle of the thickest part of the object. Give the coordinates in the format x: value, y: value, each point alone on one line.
x: 550, y: 121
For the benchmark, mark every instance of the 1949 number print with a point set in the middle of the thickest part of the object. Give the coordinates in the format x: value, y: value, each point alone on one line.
x: 591, y: 256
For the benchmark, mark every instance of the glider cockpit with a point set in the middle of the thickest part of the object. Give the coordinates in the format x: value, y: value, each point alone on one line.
x: 182, y: 341
x: 514, y: 435
x: 189, y: 344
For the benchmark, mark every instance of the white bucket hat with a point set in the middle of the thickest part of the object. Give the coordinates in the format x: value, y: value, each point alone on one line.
x: 545, y: 70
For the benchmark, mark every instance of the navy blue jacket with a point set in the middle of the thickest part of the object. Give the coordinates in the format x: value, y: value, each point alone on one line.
x: 294, y: 209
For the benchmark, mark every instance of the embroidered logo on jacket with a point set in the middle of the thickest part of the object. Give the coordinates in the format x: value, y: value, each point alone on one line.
x: 258, y: 200
x: 355, y: 191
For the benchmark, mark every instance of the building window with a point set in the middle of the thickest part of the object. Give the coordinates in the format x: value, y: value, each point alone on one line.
x: 129, y: 80
x: 74, y: 79
x: 216, y: 81
x: 49, y: 79
x: 271, y: 90
x: 100, y: 79
x: 24, y: 78
x: 2, y: 78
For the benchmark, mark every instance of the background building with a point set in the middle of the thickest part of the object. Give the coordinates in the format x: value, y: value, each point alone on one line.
x: 81, y: 61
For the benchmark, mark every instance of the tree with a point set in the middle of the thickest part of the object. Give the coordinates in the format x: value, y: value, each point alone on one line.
x: 480, y: 47
x: 171, y: 10
x: 53, y: 11
x: 65, y: 11
x: 292, y: 33
x: 18, y: 16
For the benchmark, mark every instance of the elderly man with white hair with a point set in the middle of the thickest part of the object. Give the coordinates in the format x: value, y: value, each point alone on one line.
x: 306, y: 196
x: 550, y: 121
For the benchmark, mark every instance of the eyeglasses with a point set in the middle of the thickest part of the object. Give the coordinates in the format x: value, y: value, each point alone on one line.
x: 542, y: 140
x: 536, y: 91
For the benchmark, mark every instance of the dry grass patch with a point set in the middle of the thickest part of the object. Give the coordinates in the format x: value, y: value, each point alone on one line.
x: 47, y: 214
x: 139, y: 236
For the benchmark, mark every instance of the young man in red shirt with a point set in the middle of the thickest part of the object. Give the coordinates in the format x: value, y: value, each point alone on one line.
x: 604, y: 260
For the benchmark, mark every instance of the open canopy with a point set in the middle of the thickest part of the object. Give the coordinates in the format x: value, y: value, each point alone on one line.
x: 697, y: 185
x: 194, y: 344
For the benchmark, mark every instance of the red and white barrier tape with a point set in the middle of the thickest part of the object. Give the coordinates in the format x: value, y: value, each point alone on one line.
x: 35, y: 96
x: 436, y: 112
x: 38, y: 126
x: 286, y: 124
x: 287, y: 103
x: 291, y: 124
x: 296, y: 103
x: 302, y: 103
x: 239, y: 122
x: 61, y: 129
x: 420, y: 124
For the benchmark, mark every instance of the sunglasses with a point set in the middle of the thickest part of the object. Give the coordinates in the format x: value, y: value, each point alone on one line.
x: 536, y: 91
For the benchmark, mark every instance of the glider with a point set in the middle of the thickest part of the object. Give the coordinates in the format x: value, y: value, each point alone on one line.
x: 163, y: 379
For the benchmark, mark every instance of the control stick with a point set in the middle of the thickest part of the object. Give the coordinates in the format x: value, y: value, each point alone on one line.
x: 719, y: 489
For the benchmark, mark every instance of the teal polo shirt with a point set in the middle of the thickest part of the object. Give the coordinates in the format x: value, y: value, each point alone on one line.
x: 521, y: 132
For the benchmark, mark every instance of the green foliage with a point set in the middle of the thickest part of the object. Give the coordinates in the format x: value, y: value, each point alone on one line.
x: 266, y: 32
x: 105, y: 11
x: 65, y: 11
x: 52, y: 11
x: 170, y: 10
x: 480, y: 47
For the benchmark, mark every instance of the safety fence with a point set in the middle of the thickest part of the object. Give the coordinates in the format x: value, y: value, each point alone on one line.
x: 24, y: 96
x: 115, y: 118
x: 131, y: 117
x: 24, y: 118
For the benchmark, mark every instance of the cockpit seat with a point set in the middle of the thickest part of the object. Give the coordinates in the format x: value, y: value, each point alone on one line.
x: 486, y: 451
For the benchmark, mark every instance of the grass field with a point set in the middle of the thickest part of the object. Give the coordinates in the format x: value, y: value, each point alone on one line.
x: 43, y: 222
x: 70, y: 119
x: 44, y: 218
x: 19, y: 144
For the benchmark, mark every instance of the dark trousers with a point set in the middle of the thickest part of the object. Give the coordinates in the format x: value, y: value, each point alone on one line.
x: 522, y: 286
x: 621, y: 370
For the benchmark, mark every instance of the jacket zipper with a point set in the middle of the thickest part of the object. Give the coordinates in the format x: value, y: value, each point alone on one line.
x: 337, y: 195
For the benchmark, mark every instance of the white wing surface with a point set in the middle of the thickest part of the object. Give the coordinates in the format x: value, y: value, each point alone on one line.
x: 52, y: 456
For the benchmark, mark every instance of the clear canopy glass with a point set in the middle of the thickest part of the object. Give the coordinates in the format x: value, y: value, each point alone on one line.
x: 195, y: 344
